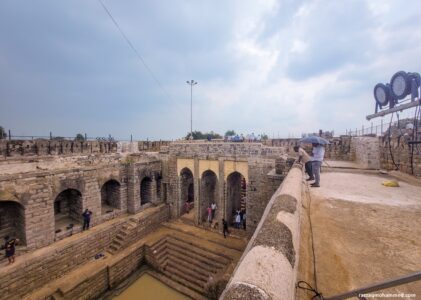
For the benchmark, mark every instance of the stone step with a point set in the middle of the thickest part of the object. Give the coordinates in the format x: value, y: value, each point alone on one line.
x: 201, y: 260
x: 120, y: 237
x: 203, y: 266
x: 193, y: 276
x: 179, y: 277
x: 158, y: 244
x: 216, y: 238
x: 194, y: 270
x: 191, y: 248
x: 177, y: 286
x: 113, y: 248
x: 212, y: 253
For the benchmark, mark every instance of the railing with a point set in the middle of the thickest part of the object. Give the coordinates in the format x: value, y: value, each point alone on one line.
x: 377, y: 287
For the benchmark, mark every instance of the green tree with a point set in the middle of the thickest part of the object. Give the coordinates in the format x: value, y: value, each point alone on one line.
x: 230, y: 133
x: 79, y: 137
x: 264, y: 136
x: 198, y: 135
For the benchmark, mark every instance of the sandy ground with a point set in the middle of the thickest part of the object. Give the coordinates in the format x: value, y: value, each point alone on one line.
x: 363, y: 233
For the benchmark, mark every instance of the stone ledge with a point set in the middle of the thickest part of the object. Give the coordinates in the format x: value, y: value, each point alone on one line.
x: 268, y: 267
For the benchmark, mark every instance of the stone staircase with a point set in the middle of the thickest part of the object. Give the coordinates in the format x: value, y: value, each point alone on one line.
x: 123, y: 236
x: 186, y: 261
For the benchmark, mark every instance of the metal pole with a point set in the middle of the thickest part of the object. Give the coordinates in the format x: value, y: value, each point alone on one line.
x: 10, y: 136
x: 378, y: 286
x: 191, y: 110
x: 381, y: 126
x: 191, y: 83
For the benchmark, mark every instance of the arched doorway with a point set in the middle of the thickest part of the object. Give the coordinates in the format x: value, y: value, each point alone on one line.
x: 236, y: 195
x: 67, y: 209
x: 186, y: 190
x: 145, y: 191
x: 208, y: 192
x: 12, y: 220
x: 110, y: 196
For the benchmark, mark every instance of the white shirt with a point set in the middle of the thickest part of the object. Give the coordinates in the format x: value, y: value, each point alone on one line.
x: 213, y: 206
x: 304, y: 155
x: 318, y: 153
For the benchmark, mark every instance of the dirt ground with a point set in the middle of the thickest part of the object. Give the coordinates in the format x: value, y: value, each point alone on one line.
x: 363, y: 233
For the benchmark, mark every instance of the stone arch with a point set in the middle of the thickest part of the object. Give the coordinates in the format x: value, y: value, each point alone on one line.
x: 68, y: 209
x: 145, y: 190
x: 236, y: 187
x: 208, y: 192
x: 110, y: 196
x: 12, y: 220
x: 186, y: 190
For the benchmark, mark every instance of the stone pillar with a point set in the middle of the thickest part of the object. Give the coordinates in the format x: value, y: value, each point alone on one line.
x: 220, y: 211
x: 153, y: 189
x: 133, y: 190
x: 197, y: 182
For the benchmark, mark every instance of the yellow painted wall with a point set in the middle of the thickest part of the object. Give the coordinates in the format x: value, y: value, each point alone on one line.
x: 241, y: 167
x: 185, y: 163
x: 212, y: 165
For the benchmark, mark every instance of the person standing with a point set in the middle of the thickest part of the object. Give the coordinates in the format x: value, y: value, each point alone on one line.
x: 209, y: 210
x: 306, y: 159
x: 225, y: 228
x: 237, y: 220
x: 9, y: 245
x: 86, y: 219
x: 213, y: 207
x: 316, y: 163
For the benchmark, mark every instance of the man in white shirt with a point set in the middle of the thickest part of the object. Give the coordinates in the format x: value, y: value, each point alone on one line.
x: 213, y: 207
x: 317, y: 159
x: 306, y: 159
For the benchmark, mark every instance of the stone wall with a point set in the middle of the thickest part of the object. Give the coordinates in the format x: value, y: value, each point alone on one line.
x: 17, y: 148
x: 367, y: 152
x: 340, y: 148
x: 268, y: 267
x: 33, y: 270
x: 37, y: 190
x: 407, y: 157
x: 252, y: 160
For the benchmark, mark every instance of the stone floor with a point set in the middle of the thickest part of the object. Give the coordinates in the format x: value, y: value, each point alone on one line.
x: 363, y: 232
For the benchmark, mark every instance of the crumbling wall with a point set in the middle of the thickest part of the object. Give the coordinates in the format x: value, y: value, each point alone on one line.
x: 19, y: 148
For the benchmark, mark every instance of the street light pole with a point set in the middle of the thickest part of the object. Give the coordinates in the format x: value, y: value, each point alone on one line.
x: 191, y: 83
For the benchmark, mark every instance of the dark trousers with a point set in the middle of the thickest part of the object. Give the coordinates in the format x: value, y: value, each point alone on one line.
x: 86, y: 223
x: 309, y: 169
x: 226, y: 231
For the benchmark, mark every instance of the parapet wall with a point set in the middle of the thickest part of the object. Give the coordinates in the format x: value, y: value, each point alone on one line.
x: 268, y: 267
x: 211, y: 150
x: 17, y: 148
x: 340, y: 148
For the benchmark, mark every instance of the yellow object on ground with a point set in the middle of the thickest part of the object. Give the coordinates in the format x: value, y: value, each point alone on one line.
x: 390, y: 183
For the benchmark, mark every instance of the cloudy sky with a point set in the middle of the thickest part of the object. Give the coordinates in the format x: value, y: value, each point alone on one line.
x: 279, y: 67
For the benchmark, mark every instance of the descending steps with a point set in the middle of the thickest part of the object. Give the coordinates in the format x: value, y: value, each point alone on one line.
x: 187, y: 261
x: 122, y: 236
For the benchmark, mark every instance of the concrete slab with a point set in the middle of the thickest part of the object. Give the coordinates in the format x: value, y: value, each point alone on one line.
x: 363, y: 233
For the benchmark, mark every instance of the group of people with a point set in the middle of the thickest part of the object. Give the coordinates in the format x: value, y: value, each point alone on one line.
x: 312, y: 163
x: 240, y: 219
x: 241, y: 138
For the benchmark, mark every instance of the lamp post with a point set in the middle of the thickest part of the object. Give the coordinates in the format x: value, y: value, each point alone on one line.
x: 191, y: 83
